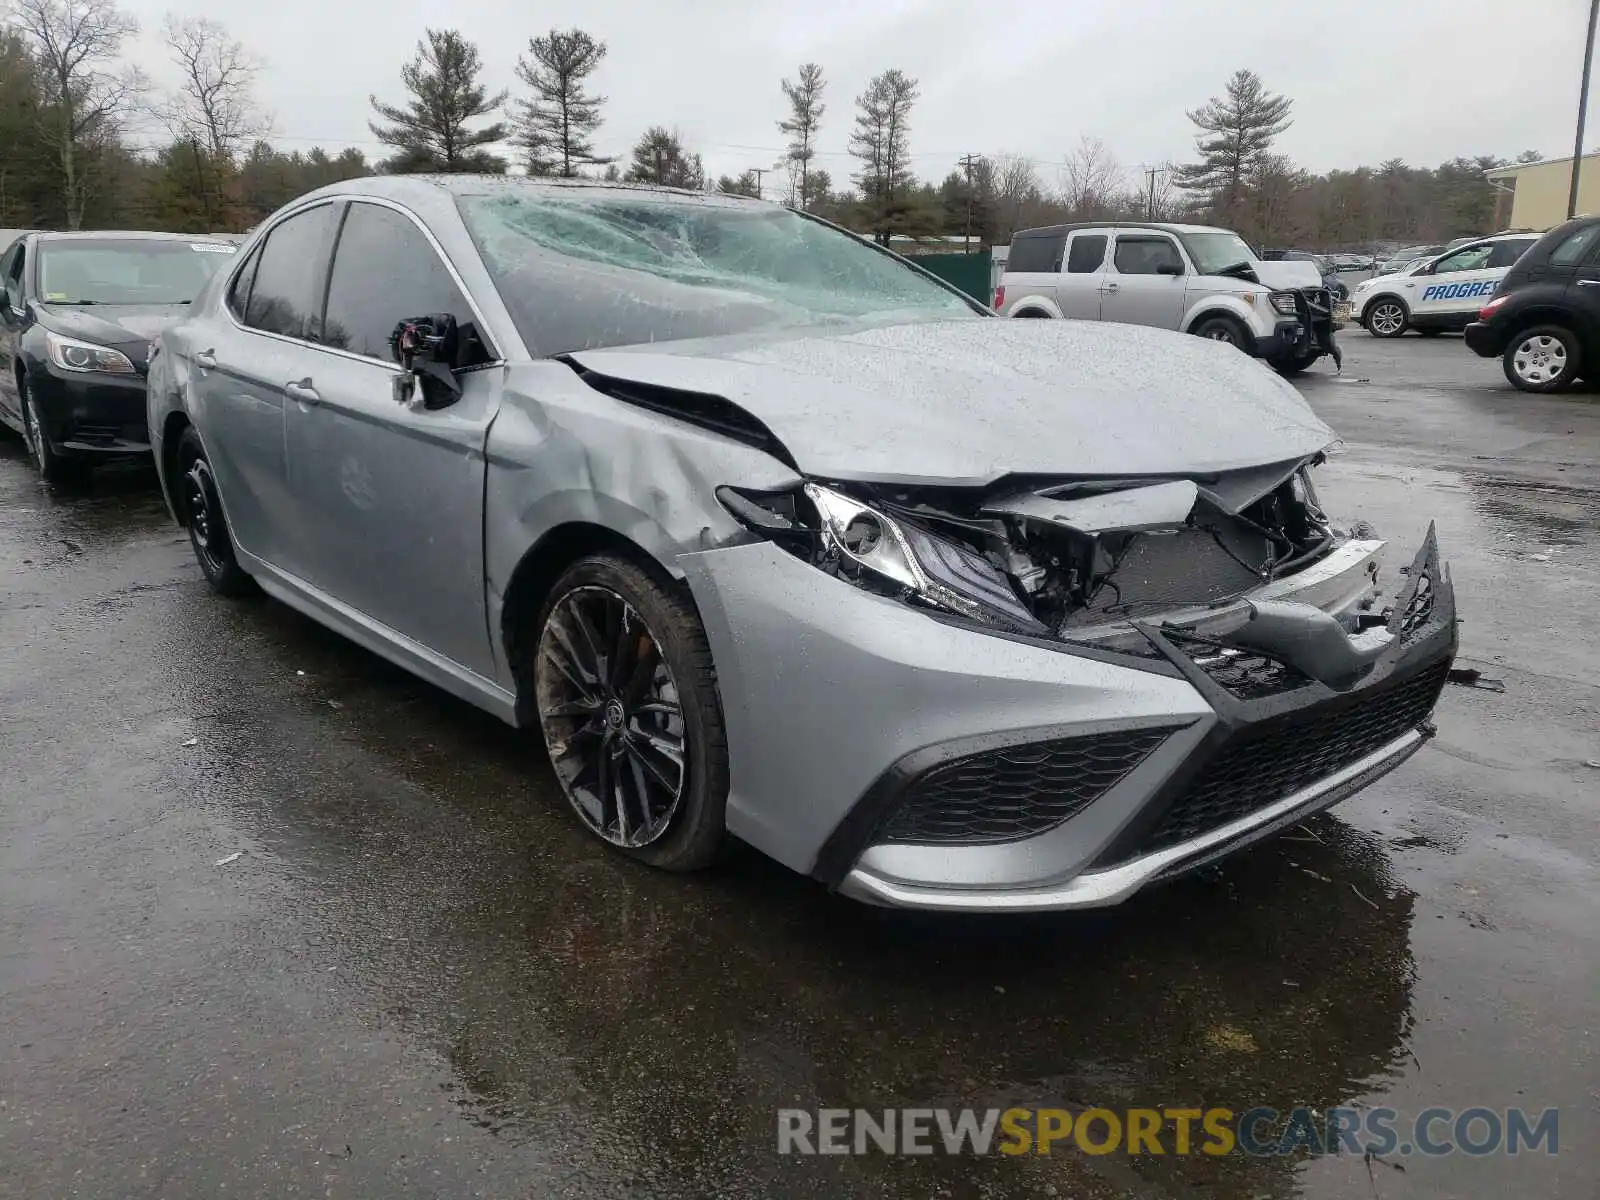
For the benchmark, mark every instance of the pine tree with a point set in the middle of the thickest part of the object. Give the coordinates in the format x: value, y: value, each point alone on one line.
x: 430, y: 133
x: 805, y: 115
x: 881, y: 141
x: 1236, y: 132
x: 659, y: 158
x: 556, y: 124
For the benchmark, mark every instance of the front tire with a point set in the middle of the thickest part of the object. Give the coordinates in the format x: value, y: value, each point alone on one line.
x: 1297, y: 364
x: 627, y: 700
x: 53, y: 467
x: 1545, y: 358
x: 1387, y: 318
x: 208, y: 527
x: 1222, y: 329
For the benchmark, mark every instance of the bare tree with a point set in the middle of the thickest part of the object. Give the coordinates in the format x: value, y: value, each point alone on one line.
x: 882, y: 141
x: 555, y: 126
x: 1090, y: 179
x: 805, y: 115
x: 1016, y: 185
x: 214, y: 104
x: 86, y: 91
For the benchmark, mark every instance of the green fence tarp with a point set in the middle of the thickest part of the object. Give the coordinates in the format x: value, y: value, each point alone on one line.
x: 969, y: 272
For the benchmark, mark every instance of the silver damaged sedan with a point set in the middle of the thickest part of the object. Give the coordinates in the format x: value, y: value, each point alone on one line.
x: 770, y: 534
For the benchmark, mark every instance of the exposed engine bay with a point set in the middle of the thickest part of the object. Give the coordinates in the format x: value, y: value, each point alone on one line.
x: 1050, y: 557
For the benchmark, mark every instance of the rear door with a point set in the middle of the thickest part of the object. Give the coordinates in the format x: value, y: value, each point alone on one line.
x: 241, y: 358
x: 388, y: 494
x: 1145, y: 281
x: 1456, y: 286
x: 1032, y: 265
x: 1083, y: 268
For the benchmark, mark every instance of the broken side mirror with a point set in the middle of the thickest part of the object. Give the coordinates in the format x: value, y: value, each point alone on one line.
x: 427, y: 349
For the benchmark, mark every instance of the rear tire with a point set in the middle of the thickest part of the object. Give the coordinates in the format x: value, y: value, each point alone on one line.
x: 1223, y: 329
x: 626, y: 697
x: 208, y: 525
x: 1543, y: 359
x: 1387, y: 317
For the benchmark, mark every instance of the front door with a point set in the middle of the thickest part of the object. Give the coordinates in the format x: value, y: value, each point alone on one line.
x: 1456, y: 286
x: 1144, y: 285
x: 388, y: 493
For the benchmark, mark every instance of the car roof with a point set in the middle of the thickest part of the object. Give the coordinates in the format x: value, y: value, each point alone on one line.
x: 403, y: 188
x: 1160, y: 226
x: 123, y: 235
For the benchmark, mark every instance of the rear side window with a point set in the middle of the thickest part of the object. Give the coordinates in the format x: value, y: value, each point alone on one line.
x: 1144, y: 255
x: 1087, y: 254
x: 384, y: 271
x: 1038, y: 253
x: 284, y: 297
x: 1505, y: 254
x: 1574, y: 246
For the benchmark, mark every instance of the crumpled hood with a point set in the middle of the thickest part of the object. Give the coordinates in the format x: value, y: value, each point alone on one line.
x: 1286, y: 273
x: 110, y: 324
x: 965, y: 402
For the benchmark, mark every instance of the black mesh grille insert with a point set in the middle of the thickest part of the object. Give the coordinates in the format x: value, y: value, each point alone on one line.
x: 1247, y: 674
x: 1264, y: 764
x: 1003, y: 795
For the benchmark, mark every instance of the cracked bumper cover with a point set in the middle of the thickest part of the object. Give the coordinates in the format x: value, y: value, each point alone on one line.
x: 839, y: 704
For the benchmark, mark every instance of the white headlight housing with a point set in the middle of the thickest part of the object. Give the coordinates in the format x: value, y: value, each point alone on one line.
x: 72, y: 355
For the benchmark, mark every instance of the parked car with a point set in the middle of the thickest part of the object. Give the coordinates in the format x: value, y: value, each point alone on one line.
x: 1400, y: 258
x: 697, y: 487
x: 1191, y: 278
x: 1436, y: 294
x: 1543, y: 321
x: 75, y: 334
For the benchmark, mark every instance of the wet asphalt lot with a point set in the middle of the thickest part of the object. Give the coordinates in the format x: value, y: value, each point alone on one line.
x: 419, y: 979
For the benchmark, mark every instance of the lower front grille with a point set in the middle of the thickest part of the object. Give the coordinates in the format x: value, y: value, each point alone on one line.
x: 1016, y: 792
x: 1263, y: 764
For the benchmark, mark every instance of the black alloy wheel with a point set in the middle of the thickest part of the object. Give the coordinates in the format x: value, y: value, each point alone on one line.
x: 626, y: 699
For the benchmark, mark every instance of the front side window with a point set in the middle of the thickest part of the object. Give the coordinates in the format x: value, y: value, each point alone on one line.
x: 127, y: 270
x: 384, y: 271
x: 1087, y: 254
x: 1146, y: 255
x: 283, y: 297
x: 1468, y: 258
x: 618, y: 268
x: 11, y: 274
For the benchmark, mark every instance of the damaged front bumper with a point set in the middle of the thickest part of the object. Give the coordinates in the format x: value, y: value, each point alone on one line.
x: 916, y: 760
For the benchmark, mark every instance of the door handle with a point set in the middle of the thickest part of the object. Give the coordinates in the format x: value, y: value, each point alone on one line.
x: 302, y: 391
x: 1110, y: 287
x: 206, y: 360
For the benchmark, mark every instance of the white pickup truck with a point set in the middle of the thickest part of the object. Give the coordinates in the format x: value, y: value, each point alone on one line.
x: 1191, y: 278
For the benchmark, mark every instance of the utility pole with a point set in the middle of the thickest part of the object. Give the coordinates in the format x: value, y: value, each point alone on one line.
x: 1583, y: 109
x: 968, y: 162
x: 758, y: 172
x: 1150, y: 192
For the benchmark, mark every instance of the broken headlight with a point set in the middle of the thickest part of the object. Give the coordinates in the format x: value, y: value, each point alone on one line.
x: 863, y: 544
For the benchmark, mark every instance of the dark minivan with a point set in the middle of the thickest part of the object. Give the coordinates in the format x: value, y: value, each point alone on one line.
x: 1543, y: 322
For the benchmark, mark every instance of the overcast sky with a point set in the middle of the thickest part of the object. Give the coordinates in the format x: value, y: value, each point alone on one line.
x: 1423, y: 80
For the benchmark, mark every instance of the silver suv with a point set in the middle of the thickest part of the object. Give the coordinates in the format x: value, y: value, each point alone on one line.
x: 1191, y: 278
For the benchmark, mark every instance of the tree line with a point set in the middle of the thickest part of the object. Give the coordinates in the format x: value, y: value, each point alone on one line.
x: 68, y: 101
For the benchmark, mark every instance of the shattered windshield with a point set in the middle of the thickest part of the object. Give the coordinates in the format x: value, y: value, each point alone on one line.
x: 614, y: 268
